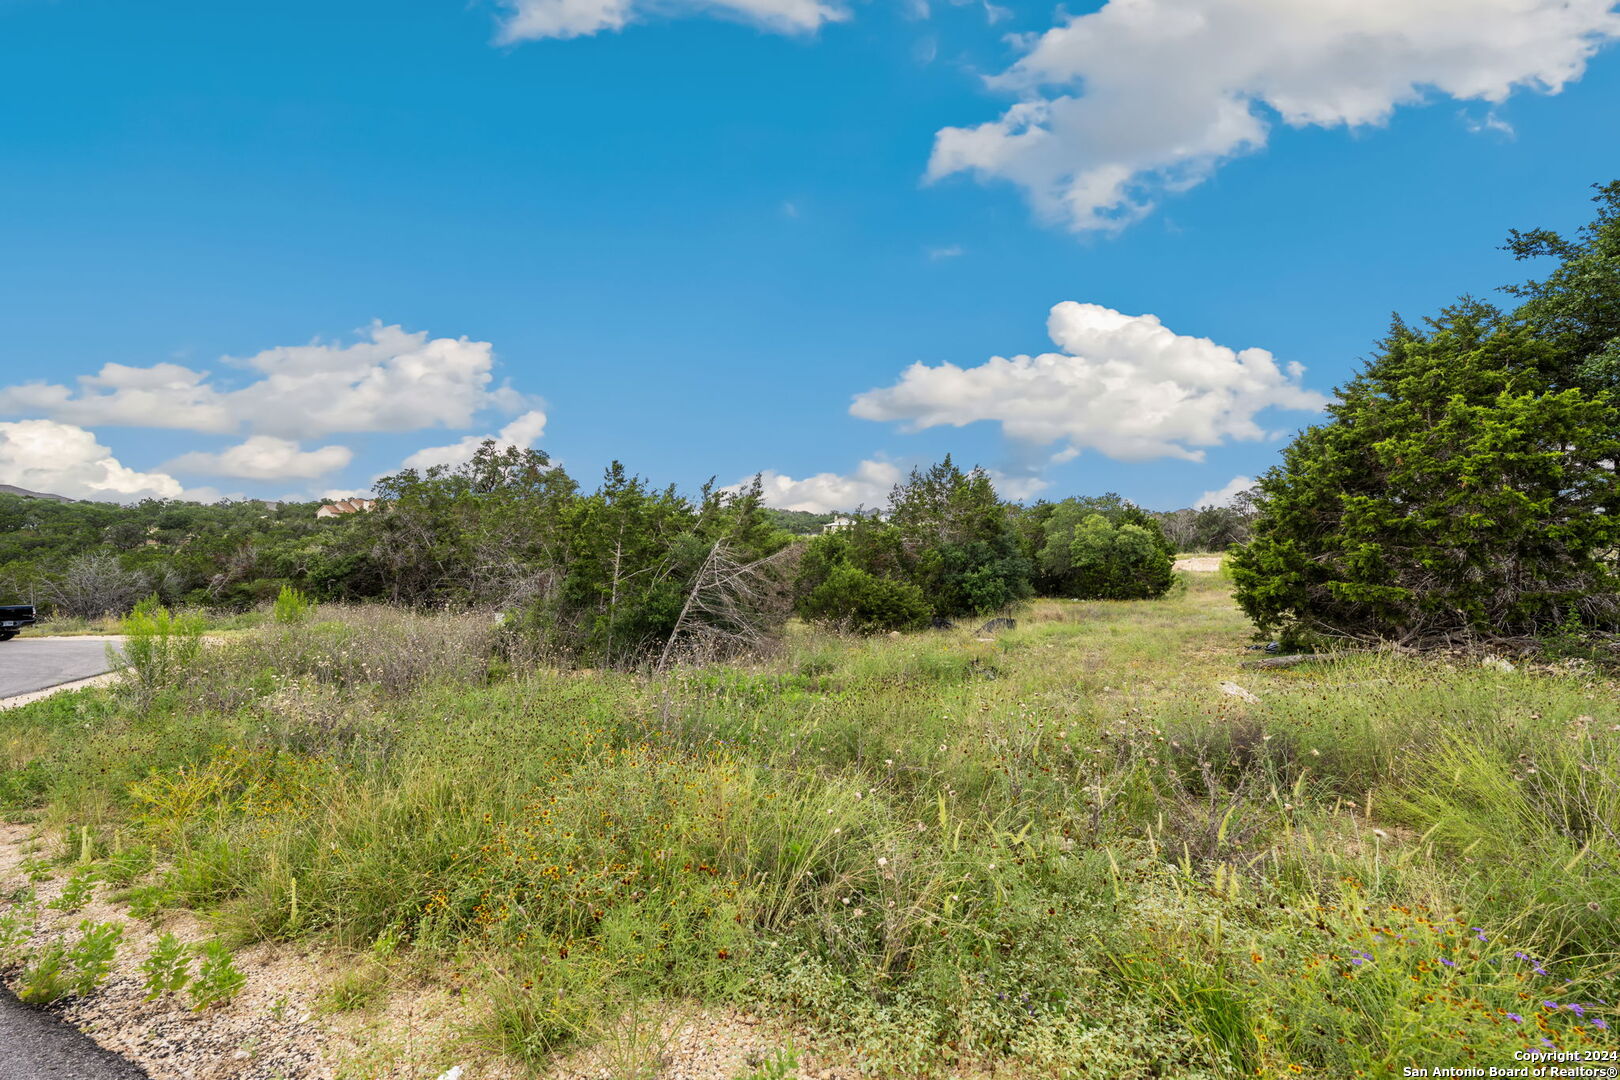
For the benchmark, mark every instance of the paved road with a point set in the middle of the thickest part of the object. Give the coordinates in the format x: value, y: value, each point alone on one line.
x: 37, y: 1046
x: 34, y: 663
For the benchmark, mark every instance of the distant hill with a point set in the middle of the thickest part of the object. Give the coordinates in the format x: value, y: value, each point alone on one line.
x: 7, y: 489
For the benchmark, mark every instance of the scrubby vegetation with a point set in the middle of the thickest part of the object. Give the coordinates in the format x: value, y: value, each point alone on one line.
x: 625, y: 576
x: 1065, y: 851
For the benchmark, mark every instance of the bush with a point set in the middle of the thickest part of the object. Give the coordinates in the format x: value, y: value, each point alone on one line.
x: 292, y: 606
x: 867, y: 604
x: 1096, y: 559
x: 96, y: 584
x: 159, y: 647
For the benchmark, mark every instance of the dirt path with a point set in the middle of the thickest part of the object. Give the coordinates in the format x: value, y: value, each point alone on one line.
x: 1200, y: 564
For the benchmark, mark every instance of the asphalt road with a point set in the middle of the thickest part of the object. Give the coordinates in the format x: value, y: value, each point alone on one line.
x: 35, y: 1045
x: 34, y: 663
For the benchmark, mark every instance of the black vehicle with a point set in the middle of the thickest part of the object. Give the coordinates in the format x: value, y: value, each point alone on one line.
x: 13, y: 617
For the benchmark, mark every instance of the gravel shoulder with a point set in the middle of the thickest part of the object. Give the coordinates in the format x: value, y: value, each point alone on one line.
x: 281, y: 1025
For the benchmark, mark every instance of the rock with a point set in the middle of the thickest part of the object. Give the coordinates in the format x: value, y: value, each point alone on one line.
x: 1237, y: 691
x: 943, y: 624
x: 998, y: 624
x: 894, y: 633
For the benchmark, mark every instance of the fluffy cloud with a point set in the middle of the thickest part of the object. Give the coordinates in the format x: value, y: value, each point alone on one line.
x: 1144, y: 97
x: 869, y: 486
x: 532, y: 19
x: 523, y: 432
x: 1223, y: 496
x: 265, y: 457
x: 42, y: 455
x: 1124, y: 385
x: 392, y: 380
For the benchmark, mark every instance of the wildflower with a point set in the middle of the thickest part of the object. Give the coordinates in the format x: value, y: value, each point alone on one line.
x: 1448, y: 963
x: 882, y: 861
x: 1599, y: 1024
x: 1515, y: 1017
x: 1479, y: 932
x: 1576, y: 1009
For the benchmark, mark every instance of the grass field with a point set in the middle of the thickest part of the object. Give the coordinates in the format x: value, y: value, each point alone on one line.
x: 1067, y: 851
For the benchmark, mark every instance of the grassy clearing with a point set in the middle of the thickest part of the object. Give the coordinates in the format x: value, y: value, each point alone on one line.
x: 1062, y: 852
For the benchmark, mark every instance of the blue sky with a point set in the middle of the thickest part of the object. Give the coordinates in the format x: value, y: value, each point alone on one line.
x: 692, y: 240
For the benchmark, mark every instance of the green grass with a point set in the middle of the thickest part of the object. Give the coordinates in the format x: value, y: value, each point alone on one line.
x: 1061, y: 852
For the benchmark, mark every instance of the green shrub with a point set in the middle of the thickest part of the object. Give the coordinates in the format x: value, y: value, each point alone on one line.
x: 867, y: 604
x: 217, y: 979
x: 47, y: 976
x: 159, y: 647
x: 91, y: 957
x: 1095, y: 559
x: 292, y: 607
x: 167, y: 968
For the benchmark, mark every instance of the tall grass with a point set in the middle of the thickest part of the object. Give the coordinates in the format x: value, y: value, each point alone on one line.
x: 1064, y: 851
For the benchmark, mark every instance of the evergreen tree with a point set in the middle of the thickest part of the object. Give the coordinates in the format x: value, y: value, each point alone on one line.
x: 1456, y: 491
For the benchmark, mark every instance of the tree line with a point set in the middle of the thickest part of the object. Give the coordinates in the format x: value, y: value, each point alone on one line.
x: 622, y: 574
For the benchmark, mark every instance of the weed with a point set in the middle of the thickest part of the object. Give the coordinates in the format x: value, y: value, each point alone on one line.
x: 159, y: 647
x: 217, y: 979
x: 292, y: 607
x: 47, y: 976
x: 91, y: 957
x: 780, y: 1064
x: 167, y: 968
x: 76, y: 892
x: 16, y: 932
x: 358, y: 988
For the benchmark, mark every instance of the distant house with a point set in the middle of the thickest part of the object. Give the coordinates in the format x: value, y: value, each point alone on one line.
x: 837, y: 524
x: 346, y: 506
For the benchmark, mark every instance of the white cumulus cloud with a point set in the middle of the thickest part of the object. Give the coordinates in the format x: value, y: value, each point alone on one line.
x: 62, y: 459
x: 528, y: 20
x: 390, y: 380
x: 1223, y: 496
x: 1143, y: 97
x: 522, y: 432
x: 265, y: 457
x: 1124, y: 385
x: 824, y: 493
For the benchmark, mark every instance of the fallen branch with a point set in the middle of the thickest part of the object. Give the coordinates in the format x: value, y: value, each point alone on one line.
x: 1290, y: 661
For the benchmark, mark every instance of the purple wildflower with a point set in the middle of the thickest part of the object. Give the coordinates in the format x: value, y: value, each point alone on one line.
x: 1448, y: 963
x: 1516, y: 1018
x: 1479, y: 932
x: 1599, y: 1024
x: 1576, y: 1009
